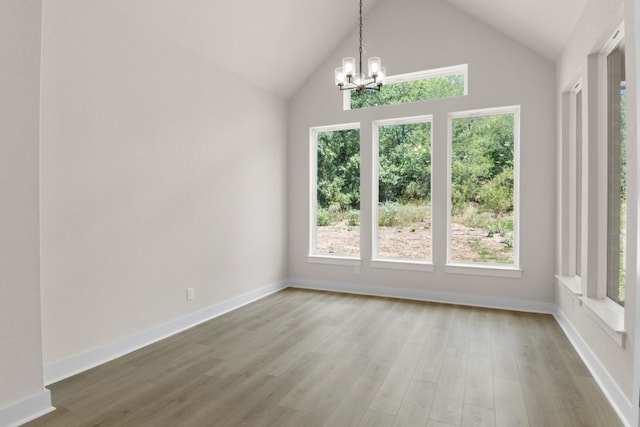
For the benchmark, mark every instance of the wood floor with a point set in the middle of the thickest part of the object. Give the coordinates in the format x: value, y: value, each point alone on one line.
x: 306, y: 358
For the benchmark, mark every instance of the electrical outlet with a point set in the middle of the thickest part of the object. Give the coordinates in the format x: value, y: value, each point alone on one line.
x: 190, y: 294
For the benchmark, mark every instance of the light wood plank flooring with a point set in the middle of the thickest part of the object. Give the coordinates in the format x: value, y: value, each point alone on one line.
x: 306, y: 358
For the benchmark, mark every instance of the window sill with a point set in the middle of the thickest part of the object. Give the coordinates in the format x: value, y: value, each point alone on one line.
x: 609, y: 316
x: 401, y: 264
x: 571, y: 283
x: 484, y: 270
x: 334, y: 260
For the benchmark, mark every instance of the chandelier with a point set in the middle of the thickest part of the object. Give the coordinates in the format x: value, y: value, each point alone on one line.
x: 348, y: 77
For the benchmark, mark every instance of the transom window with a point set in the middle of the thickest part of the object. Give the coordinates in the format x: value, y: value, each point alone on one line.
x: 412, y: 87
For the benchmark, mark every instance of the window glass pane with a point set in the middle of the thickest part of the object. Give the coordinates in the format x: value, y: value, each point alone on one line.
x: 338, y: 193
x: 482, y: 189
x: 404, y: 191
x: 616, y: 176
x: 411, y: 91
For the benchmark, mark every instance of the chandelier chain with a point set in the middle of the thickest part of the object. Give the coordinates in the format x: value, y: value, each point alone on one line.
x: 360, y: 65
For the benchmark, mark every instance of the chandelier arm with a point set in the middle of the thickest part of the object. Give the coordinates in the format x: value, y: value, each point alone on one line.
x: 370, y: 86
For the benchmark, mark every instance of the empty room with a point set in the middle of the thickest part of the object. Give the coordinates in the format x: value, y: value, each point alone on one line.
x: 340, y: 213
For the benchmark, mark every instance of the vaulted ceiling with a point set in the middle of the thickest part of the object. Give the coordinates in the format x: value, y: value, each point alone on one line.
x: 277, y: 44
x: 543, y: 25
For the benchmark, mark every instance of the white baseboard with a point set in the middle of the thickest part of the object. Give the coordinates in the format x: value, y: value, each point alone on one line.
x: 430, y: 296
x: 609, y: 387
x: 26, y: 410
x: 92, y: 358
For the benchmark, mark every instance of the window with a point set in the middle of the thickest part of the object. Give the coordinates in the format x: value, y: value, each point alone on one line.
x: 402, y: 150
x: 578, y: 179
x: 573, y: 203
x: 483, y: 187
x: 335, y: 190
x: 594, y: 188
x: 616, y: 174
x: 573, y: 192
x: 420, y: 86
x: 481, y: 184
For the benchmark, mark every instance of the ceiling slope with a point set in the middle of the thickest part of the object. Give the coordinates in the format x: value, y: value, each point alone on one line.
x: 276, y: 45
x: 544, y: 26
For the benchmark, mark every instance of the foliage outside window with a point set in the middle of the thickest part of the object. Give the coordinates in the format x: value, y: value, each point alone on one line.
x: 616, y: 175
x: 404, y: 189
x: 413, y: 87
x: 483, y: 166
x: 337, y: 199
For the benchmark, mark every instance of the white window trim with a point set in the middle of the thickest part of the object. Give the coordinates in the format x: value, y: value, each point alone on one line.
x: 419, y: 75
x: 334, y: 260
x: 569, y: 197
x: 572, y: 283
x: 609, y: 316
x: 573, y: 178
x: 376, y: 260
x: 480, y: 269
x: 401, y: 264
x: 568, y: 276
x: 458, y: 267
x: 600, y: 293
x: 313, y: 257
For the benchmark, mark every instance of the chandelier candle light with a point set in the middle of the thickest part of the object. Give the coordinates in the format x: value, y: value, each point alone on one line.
x: 348, y: 77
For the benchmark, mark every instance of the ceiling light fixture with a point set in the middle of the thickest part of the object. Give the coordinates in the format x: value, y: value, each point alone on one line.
x: 348, y: 77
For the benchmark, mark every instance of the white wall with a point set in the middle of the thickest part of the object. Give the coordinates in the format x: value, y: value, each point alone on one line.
x: 20, y: 324
x: 413, y: 35
x: 160, y: 170
x: 599, y: 19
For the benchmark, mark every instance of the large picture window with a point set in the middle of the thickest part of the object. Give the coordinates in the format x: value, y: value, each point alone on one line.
x: 335, y: 204
x: 403, y: 210
x: 483, y: 187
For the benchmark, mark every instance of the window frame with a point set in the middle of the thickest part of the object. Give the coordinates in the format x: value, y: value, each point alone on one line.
x: 576, y: 202
x: 415, y: 76
x: 476, y: 268
x: 616, y: 39
x: 578, y: 186
x: 313, y: 256
x: 571, y: 204
x: 376, y: 260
